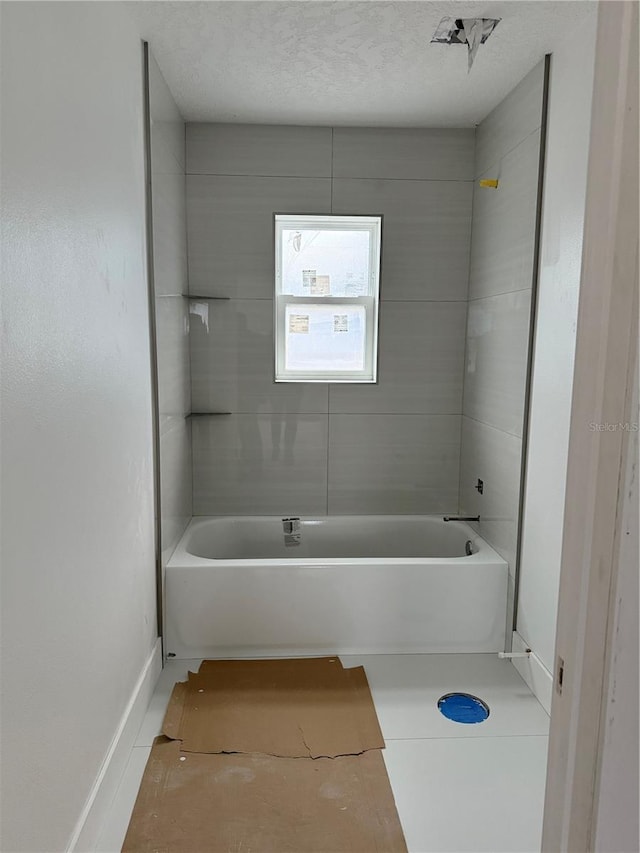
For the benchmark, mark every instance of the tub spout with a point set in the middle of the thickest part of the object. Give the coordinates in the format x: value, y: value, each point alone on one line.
x: 461, y: 518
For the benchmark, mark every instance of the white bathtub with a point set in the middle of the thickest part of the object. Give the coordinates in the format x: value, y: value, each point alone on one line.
x: 354, y: 585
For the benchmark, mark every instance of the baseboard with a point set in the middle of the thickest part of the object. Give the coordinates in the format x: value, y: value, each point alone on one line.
x: 537, y: 676
x: 89, y: 826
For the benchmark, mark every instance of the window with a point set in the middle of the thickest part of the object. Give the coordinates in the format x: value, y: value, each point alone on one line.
x: 326, y: 299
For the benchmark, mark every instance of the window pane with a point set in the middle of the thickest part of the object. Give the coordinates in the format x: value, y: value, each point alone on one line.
x: 325, y: 338
x: 325, y: 262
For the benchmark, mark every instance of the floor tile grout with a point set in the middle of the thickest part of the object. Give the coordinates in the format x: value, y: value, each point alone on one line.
x: 462, y: 737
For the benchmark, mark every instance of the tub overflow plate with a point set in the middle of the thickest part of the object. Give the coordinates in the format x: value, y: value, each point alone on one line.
x: 291, y: 530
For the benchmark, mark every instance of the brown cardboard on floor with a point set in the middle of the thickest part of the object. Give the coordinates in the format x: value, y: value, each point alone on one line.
x: 210, y: 803
x: 309, y: 707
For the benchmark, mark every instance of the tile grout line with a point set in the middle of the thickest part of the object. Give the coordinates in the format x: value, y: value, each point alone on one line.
x: 500, y: 293
x: 383, y: 301
x: 329, y: 177
x: 462, y: 737
x: 331, y: 188
x: 366, y: 414
x: 496, y: 164
x: 491, y: 426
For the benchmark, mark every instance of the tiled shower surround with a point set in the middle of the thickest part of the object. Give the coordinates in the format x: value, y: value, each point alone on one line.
x: 500, y: 292
x: 171, y: 308
x: 309, y: 449
x: 457, y: 266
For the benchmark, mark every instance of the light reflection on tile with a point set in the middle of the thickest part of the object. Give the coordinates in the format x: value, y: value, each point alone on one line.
x: 260, y: 464
x: 172, y: 330
x: 232, y: 362
x: 496, y: 360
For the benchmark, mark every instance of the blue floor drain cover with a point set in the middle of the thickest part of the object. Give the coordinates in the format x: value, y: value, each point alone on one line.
x: 463, y: 708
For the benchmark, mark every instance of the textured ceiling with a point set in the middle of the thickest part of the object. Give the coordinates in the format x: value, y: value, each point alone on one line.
x: 349, y: 63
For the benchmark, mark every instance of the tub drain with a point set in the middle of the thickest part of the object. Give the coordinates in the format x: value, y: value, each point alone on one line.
x: 463, y: 708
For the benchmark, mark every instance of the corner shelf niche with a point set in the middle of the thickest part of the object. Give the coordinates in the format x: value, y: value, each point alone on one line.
x: 192, y: 297
x: 206, y: 414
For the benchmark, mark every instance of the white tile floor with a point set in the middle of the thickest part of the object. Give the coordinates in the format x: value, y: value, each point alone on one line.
x: 458, y: 788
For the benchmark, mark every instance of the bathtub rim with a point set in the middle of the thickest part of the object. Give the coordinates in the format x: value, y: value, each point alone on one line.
x: 181, y: 558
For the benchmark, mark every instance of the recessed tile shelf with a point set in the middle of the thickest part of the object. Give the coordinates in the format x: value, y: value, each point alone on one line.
x: 206, y: 414
x: 194, y: 298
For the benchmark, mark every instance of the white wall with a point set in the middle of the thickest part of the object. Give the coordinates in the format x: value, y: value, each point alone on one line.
x: 78, y: 601
x: 569, y: 118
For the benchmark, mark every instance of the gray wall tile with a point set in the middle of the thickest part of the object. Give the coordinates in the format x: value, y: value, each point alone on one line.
x: 426, y: 245
x: 172, y: 331
x: 168, y: 422
x: 167, y: 125
x: 421, y: 352
x: 518, y: 115
x: 496, y: 360
x: 171, y: 312
x: 494, y: 457
x: 175, y: 483
x: 167, y: 147
x: 393, y: 464
x: 258, y: 149
x: 504, y: 224
x: 511, y: 606
x: 502, y: 257
x: 230, y: 226
x: 426, y: 233
x: 436, y: 154
x: 232, y: 362
x: 169, y: 233
x: 260, y: 464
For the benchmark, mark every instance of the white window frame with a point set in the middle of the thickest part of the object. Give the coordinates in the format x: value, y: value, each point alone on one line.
x: 370, y: 302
